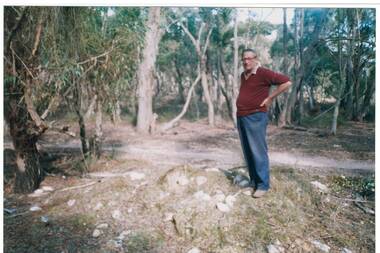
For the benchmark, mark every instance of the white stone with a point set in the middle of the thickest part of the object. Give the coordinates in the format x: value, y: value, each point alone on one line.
x: 320, y: 186
x: 38, y: 191
x: 116, y: 215
x: 136, y: 175
x: 202, y: 196
x: 103, y: 225
x: 230, y: 199
x: 244, y: 183
x: 44, y: 219
x: 237, y: 179
x: 98, y: 206
x: 182, y: 180
x: 123, y: 234
x: 275, y: 249
x: 96, y: 233
x: 345, y: 250
x: 223, y: 207
x: 219, y: 197
x: 200, y: 180
x: 130, y: 210
x: 164, y: 195
x: 169, y: 216
x: 114, y: 244
x: 212, y: 170
x: 194, y: 250
x: 247, y: 192
x: 321, y: 246
x: 35, y: 208
x: 71, y: 202
x: 47, y: 188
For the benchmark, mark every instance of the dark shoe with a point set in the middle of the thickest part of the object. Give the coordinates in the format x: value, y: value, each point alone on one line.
x: 259, y: 193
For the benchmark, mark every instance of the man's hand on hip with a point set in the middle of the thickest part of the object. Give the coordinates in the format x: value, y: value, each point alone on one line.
x: 267, y: 103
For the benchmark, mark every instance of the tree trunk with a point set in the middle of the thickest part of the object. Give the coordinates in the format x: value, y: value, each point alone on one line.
x: 225, y: 89
x: 368, y: 94
x: 96, y: 144
x: 91, y: 108
x: 342, y: 82
x: 179, y: 81
x: 305, y: 58
x: 335, y: 117
x: 25, y: 133
x: 236, y: 72
x: 282, y: 116
x: 174, y: 121
x: 146, y: 70
x: 206, y: 94
x: 77, y: 108
x: 25, y: 125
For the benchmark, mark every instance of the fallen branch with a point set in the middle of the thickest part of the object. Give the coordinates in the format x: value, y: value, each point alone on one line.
x: 354, y: 200
x: 77, y: 187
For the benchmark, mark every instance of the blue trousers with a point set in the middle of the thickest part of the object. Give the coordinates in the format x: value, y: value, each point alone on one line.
x: 252, y: 131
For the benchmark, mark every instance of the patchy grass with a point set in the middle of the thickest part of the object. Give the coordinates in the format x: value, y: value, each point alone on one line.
x: 292, y: 213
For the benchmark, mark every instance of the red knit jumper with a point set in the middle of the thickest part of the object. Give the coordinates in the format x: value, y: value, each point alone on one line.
x: 255, y: 89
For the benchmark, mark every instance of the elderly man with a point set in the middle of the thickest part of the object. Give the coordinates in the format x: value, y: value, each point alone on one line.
x: 253, y: 103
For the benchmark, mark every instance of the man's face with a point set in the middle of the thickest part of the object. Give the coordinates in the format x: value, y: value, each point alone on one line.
x: 248, y: 60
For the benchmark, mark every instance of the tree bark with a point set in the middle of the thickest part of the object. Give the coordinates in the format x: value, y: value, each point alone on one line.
x: 146, y: 71
x: 342, y: 82
x: 236, y: 73
x: 227, y: 86
x: 282, y: 116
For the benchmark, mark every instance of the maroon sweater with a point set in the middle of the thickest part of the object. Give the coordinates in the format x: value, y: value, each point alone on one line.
x: 255, y: 89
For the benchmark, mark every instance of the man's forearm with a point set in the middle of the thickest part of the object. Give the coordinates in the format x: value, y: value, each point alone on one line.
x: 280, y: 89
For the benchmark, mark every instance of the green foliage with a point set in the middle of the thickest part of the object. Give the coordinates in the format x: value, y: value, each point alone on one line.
x: 365, y: 186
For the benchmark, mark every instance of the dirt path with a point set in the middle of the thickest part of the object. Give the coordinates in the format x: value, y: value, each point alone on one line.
x: 173, y: 153
x: 214, y: 148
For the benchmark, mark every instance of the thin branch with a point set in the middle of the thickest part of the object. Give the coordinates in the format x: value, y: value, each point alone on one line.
x: 190, y: 36
x: 200, y: 31
x: 96, y: 57
x: 38, y: 36
x: 30, y: 73
x: 207, y: 42
x: 77, y: 187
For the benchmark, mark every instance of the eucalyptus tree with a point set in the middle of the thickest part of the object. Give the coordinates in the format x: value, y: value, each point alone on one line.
x: 309, y: 25
x: 146, y: 70
x: 193, y: 25
x: 32, y: 76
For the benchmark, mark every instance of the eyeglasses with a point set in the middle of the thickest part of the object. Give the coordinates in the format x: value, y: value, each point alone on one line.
x: 248, y: 58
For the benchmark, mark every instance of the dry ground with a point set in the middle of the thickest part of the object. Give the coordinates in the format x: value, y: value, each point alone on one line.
x: 160, y: 194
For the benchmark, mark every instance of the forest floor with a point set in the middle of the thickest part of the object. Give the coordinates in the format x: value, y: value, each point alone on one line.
x: 182, y: 191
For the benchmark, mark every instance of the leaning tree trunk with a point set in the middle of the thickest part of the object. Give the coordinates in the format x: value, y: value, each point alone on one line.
x: 174, y: 121
x: 201, y: 52
x: 146, y: 71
